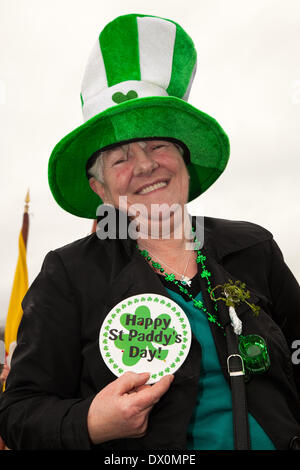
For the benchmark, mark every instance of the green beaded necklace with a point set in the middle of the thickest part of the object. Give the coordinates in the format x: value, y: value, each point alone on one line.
x: 253, y: 348
x: 180, y: 284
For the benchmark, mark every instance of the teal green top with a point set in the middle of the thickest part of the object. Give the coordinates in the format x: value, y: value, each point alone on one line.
x: 211, y: 425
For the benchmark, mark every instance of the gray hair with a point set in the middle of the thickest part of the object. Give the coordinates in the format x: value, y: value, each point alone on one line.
x: 96, y: 169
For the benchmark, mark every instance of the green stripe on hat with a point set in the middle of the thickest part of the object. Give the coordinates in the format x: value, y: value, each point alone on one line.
x: 120, y: 51
x: 184, y: 61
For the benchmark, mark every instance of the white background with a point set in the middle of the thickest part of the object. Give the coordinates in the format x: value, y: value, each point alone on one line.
x: 248, y: 78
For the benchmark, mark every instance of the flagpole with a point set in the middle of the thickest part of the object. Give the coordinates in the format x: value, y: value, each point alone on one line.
x: 25, y: 224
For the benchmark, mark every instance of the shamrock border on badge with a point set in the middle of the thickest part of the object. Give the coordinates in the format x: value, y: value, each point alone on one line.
x: 148, y: 298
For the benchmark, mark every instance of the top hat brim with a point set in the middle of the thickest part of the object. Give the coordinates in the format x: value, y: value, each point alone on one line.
x: 141, y: 118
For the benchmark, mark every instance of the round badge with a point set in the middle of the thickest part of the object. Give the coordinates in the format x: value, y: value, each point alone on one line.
x: 145, y: 333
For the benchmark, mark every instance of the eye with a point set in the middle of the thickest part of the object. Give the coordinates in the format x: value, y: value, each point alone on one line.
x: 158, y: 146
x: 119, y: 161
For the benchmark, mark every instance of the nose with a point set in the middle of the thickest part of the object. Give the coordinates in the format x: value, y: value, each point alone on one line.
x: 144, y: 164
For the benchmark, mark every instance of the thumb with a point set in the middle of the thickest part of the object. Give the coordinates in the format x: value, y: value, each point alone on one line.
x: 131, y: 380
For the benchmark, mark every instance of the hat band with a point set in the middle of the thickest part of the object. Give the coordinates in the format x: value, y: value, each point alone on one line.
x: 117, y: 94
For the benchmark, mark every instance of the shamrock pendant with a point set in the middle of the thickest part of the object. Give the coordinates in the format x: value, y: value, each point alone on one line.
x: 185, y: 280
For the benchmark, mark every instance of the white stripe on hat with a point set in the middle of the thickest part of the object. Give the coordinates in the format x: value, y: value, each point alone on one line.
x: 94, y: 79
x: 100, y: 102
x: 156, y: 46
x: 187, y: 93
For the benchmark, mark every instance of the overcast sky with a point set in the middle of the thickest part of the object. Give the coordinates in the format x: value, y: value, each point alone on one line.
x: 248, y: 78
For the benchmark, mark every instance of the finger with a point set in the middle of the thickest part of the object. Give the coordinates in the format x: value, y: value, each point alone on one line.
x: 150, y: 395
x: 141, y: 387
x: 131, y: 380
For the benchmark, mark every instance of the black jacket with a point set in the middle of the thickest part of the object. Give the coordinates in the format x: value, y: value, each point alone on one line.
x: 57, y: 368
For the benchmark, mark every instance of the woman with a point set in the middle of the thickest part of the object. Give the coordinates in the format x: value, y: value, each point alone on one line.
x: 143, y: 146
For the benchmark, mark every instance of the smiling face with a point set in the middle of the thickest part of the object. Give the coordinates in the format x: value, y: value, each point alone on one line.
x: 147, y: 173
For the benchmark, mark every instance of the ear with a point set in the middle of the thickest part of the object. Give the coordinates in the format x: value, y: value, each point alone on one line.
x: 97, y: 187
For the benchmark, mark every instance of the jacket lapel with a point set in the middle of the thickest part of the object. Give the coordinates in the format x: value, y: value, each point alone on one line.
x: 135, y: 278
x: 219, y: 276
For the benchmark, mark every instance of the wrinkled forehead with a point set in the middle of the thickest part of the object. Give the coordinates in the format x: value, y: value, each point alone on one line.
x: 105, y: 151
x: 144, y: 144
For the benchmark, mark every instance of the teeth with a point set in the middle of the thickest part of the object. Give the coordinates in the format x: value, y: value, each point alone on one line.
x: 153, y: 187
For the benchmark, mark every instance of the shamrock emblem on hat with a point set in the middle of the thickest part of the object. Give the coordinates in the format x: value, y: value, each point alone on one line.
x: 143, y: 331
x: 119, y: 97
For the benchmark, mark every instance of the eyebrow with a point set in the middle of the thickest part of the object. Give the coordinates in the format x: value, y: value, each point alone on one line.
x: 107, y: 156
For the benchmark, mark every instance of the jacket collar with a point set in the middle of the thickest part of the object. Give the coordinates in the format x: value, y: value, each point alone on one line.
x: 223, y: 237
x: 219, y: 238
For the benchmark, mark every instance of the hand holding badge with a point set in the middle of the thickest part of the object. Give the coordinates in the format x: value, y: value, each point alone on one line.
x: 145, y: 333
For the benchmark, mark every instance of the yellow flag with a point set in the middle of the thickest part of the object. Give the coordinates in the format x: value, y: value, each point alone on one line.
x: 20, y: 287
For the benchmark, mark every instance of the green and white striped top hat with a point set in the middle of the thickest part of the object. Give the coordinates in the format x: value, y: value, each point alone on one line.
x: 136, y: 85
